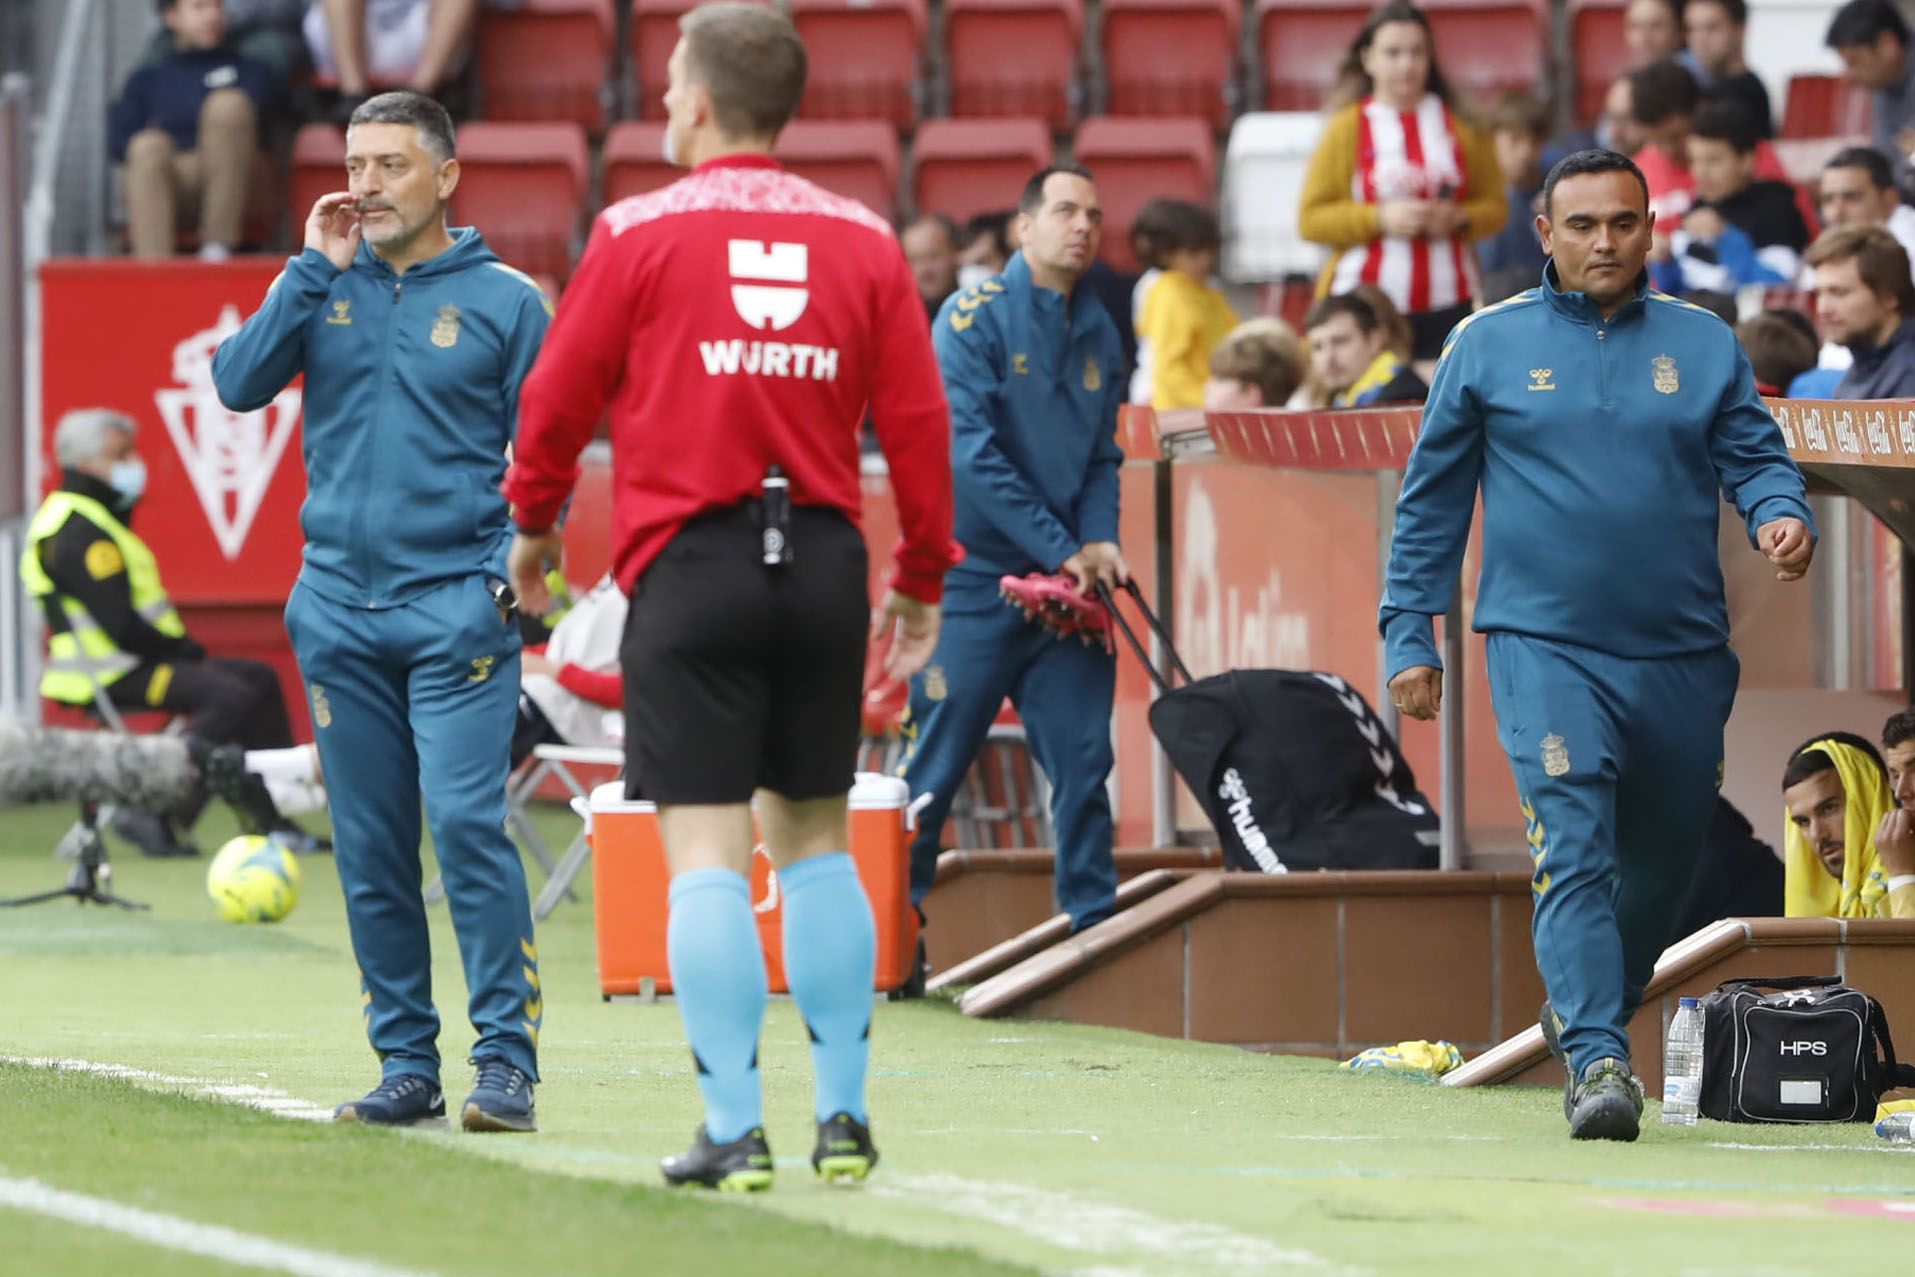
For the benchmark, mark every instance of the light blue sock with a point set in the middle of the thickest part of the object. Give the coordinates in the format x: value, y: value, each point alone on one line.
x: 718, y: 977
x: 831, y: 954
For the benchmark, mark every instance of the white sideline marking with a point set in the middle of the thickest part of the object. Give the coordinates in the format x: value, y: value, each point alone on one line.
x: 1095, y: 1227
x: 265, y: 1098
x: 174, y: 1233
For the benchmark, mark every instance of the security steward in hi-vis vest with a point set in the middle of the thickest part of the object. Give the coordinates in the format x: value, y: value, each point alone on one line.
x: 111, y: 623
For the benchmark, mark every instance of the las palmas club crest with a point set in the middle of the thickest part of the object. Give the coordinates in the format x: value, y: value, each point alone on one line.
x: 230, y: 456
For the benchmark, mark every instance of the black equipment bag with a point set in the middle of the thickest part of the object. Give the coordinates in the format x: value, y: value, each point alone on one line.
x: 1292, y: 767
x: 1796, y: 1049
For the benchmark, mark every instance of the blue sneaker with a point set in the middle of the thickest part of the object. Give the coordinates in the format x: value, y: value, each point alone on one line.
x: 501, y: 1100
x: 405, y: 1100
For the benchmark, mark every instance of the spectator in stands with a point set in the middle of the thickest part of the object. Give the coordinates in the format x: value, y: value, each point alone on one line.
x: 1837, y: 793
x: 1717, y: 30
x: 1399, y: 184
x: 568, y: 690
x: 1183, y: 318
x: 1145, y: 236
x: 985, y: 246
x: 1866, y: 301
x: 1779, y: 349
x: 930, y: 245
x: 1858, y: 189
x: 188, y: 130
x: 1259, y: 365
x: 1653, y: 31
x: 1895, y: 837
x: 1617, y: 129
x: 1350, y: 350
x: 416, y: 44
x: 267, y: 31
x: 1872, y: 40
x: 1398, y: 337
x: 1512, y: 259
x: 1741, y: 230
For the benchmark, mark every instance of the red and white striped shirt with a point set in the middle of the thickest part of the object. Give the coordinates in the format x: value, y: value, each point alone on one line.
x: 1409, y: 155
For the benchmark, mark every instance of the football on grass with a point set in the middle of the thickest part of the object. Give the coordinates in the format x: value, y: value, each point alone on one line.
x: 253, y: 879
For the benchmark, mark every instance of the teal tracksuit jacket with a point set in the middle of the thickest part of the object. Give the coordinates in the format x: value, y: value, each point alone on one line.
x: 1599, y: 446
x: 411, y: 398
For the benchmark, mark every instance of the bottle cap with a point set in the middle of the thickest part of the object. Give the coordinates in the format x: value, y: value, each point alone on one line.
x: 1686, y: 1002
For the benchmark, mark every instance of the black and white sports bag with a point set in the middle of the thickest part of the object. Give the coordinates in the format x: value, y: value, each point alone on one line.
x: 1796, y: 1049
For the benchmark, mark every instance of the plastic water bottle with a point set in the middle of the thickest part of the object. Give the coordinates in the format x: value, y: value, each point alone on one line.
x: 1897, y: 1128
x: 1682, y: 1065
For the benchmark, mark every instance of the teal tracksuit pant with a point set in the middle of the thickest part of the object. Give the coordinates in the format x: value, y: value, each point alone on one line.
x: 421, y: 698
x: 1617, y: 764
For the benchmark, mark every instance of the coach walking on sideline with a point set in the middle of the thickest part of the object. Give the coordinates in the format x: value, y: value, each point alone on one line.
x: 1031, y: 364
x: 414, y: 340
x: 1599, y: 419
x: 737, y: 323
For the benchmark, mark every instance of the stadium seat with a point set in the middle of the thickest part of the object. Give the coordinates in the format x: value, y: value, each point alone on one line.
x: 1803, y: 158
x: 864, y: 58
x: 318, y: 168
x: 967, y: 167
x: 524, y: 186
x: 635, y: 161
x: 1171, y: 57
x: 854, y: 158
x: 1824, y: 106
x: 1301, y: 44
x: 1601, y: 55
x: 1014, y: 57
x: 547, y: 60
x: 1263, y: 171
x: 1136, y: 160
x: 1488, y: 46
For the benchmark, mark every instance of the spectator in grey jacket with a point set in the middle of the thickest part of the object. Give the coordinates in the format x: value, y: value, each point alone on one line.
x: 1872, y: 40
x: 1865, y: 300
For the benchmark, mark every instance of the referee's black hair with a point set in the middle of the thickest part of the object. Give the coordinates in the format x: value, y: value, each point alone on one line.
x: 1583, y: 163
x: 403, y: 106
x: 1033, y: 197
x: 1806, y: 762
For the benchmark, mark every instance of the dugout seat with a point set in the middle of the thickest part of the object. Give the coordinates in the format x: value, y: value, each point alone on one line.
x: 635, y: 160
x: 1825, y: 106
x: 1136, y: 160
x: 1171, y: 57
x: 1014, y: 57
x: 1600, y: 54
x: 1486, y: 47
x: 1300, y: 43
x: 1263, y: 169
x: 547, y: 60
x: 525, y: 184
x: 966, y: 167
x: 864, y: 58
x: 318, y: 168
x: 854, y: 158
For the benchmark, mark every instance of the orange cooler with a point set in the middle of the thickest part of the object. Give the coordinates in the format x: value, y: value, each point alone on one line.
x: 631, y: 888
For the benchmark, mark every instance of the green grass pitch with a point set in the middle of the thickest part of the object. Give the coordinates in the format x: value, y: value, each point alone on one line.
x: 1008, y: 1145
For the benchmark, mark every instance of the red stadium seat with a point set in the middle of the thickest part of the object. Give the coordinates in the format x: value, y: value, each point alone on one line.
x: 523, y: 186
x: 547, y: 60
x: 1014, y: 57
x: 1596, y: 42
x: 1302, y: 43
x: 864, y: 58
x: 967, y: 167
x: 854, y: 158
x: 1136, y: 160
x: 635, y: 161
x: 1488, y: 46
x: 318, y: 168
x: 654, y: 34
x: 1172, y: 57
x: 1825, y: 106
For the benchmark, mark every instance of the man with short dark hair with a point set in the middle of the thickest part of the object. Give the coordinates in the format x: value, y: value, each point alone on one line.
x: 736, y: 325
x: 1034, y: 371
x: 414, y: 339
x: 1615, y: 417
x: 1857, y: 188
x: 1716, y: 31
x: 1871, y: 38
x: 1350, y: 351
x: 1836, y: 790
x: 1866, y: 302
x: 930, y: 245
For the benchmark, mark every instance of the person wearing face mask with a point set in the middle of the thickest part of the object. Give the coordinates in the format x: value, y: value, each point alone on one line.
x: 112, y: 625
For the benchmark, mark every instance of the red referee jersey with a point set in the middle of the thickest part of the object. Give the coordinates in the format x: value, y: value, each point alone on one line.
x: 738, y: 319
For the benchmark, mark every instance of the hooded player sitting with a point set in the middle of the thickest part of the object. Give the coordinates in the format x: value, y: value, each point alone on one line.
x: 1836, y: 790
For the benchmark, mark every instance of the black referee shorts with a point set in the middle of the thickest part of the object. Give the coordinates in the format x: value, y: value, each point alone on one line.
x: 740, y: 676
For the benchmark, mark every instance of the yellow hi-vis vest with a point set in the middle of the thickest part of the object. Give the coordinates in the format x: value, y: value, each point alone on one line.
x: 84, y: 656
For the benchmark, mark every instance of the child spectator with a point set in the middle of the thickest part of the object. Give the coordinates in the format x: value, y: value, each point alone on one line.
x: 188, y: 128
x: 1740, y: 230
x: 1259, y: 365
x: 1183, y: 318
x: 1779, y: 349
x: 1145, y: 234
x: 1512, y: 259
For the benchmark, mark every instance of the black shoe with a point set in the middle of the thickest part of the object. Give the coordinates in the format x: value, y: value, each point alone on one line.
x: 742, y: 1166
x: 152, y: 835
x: 222, y: 769
x: 845, y: 1152
x: 1606, y: 1104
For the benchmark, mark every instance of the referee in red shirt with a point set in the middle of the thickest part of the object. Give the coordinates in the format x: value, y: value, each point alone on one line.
x: 736, y: 325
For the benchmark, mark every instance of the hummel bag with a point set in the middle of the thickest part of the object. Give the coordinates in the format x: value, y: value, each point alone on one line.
x: 1796, y: 1049
x: 1292, y: 767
